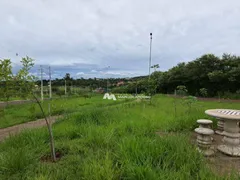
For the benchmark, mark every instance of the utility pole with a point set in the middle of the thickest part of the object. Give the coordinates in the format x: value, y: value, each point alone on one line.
x: 41, y: 82
x: 150, y: 56
x: 50, y: 84
x: 107, y: 80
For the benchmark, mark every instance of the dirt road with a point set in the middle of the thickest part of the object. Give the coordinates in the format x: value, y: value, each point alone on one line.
x: 5, y: 132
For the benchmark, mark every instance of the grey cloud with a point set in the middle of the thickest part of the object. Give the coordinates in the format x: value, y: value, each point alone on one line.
x: 81, y: 36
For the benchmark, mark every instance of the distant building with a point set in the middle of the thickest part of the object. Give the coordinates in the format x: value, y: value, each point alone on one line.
x: 120, y: 83
x: 100, y: 90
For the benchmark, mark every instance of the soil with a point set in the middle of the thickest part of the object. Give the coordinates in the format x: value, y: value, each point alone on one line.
x: 5, y: 132
x: 219, y: 163
x: 48, y: 158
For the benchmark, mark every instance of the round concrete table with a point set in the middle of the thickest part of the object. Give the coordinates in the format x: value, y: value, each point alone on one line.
x: 231, y: 139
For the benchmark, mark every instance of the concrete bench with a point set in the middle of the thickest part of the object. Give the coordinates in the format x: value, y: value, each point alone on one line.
x: 204, y: 141
x: 205, y: 123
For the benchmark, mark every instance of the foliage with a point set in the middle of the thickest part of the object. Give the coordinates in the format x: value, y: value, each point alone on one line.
x: 24, y: 78
x: 6, y: 79
x: 189, y: 101
x: 216, y: 74
x: 203, y: 92
x: 105, y: 143
x: 59, y: 92
x: 17, y: 114
x: 181, y: 90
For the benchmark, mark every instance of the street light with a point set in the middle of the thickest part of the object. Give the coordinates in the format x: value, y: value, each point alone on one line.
x: 150, y: 56
x: 107, y: 79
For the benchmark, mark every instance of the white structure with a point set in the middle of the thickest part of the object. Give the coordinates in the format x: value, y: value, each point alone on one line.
x: 111, y: 96
x: 204, y: 141
x: 106, y: 96
x: 231, y: 139
x: 204, y: 123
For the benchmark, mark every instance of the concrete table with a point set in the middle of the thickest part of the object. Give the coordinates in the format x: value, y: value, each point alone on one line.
x: 231, y: 139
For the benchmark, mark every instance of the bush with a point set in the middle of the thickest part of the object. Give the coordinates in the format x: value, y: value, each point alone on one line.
x: 229, y: 95
x: 182, y: 90
x: 203, y: 92
x: 60, y: 92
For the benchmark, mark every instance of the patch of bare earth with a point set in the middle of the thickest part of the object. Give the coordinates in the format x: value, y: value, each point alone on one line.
x: 48, y: 158
x: 6, y: 132
x: 219, y: 163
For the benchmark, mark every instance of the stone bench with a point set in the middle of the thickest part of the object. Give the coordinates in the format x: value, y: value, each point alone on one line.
x: 204, y: 141
x: 205, y: 123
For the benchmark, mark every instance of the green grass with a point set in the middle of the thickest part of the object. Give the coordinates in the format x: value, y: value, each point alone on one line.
x: 114, y: 142
x: 17, y: 114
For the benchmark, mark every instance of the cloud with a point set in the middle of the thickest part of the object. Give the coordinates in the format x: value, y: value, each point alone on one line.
x: 80, y: 73
x: 81, y: 36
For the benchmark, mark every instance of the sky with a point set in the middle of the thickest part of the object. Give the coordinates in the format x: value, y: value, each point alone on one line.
x: 110, y: 38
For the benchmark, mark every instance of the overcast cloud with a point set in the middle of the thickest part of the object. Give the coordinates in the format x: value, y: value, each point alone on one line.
x: 83, y: 37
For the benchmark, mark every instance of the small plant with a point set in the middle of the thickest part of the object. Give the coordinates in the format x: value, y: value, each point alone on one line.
x: 32, y: 110
x: 189, y: 101
x: 203, y: 92
x: 182, y: 90
x: 2, y: 112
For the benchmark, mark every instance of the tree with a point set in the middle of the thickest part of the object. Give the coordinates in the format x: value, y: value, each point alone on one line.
x: 67, y: 76
x: 27, y: 83
x: 156, y: 66
x: 182, y: 90
x: 25, y: 79
x: 6, y: 79
x: 203, y: 92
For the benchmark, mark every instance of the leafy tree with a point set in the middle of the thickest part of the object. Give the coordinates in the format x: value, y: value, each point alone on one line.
x: 25, y: 79
x: 27, y: 83
x: 182, y: 90
x: 6, y: 79
x: 203, y: 92
x: 155, y: 67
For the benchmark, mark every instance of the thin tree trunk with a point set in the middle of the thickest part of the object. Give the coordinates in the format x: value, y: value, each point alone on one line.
x: 49, y: 130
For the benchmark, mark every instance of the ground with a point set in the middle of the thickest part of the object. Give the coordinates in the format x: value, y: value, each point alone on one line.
x: 13, y: 130
x: 117, y: 142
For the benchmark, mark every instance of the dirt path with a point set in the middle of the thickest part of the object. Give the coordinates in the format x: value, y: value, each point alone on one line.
x: 5, y: 132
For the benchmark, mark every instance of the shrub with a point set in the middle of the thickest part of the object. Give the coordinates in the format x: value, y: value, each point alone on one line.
x: 182, y: 90
x: 203, y: 92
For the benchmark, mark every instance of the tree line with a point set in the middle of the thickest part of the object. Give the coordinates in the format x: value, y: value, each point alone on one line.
x: 207, y: 75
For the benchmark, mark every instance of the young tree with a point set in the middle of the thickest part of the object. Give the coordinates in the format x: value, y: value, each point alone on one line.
x: 26, y: 81
x: 6, y: 79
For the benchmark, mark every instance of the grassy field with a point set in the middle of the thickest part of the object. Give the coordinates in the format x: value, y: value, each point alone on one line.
x: 17, y: 114
x: 114, y: 142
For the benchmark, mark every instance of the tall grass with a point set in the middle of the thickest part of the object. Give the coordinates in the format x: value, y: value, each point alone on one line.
x: 17, y: 114
x: 116, y: 142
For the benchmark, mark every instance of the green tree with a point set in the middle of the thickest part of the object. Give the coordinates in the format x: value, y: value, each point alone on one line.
x: 27, y: 83
x: 6, y: 79
x: 25, y: 79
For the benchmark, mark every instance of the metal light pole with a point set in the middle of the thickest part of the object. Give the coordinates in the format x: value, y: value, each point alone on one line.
x: 50, y: 84
x: 150, y: 56
x: 41, y: 69
x: 107, y: 80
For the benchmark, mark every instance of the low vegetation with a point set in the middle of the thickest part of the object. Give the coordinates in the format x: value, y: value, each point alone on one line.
x: 17, y: 114
x: 124, y: 141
